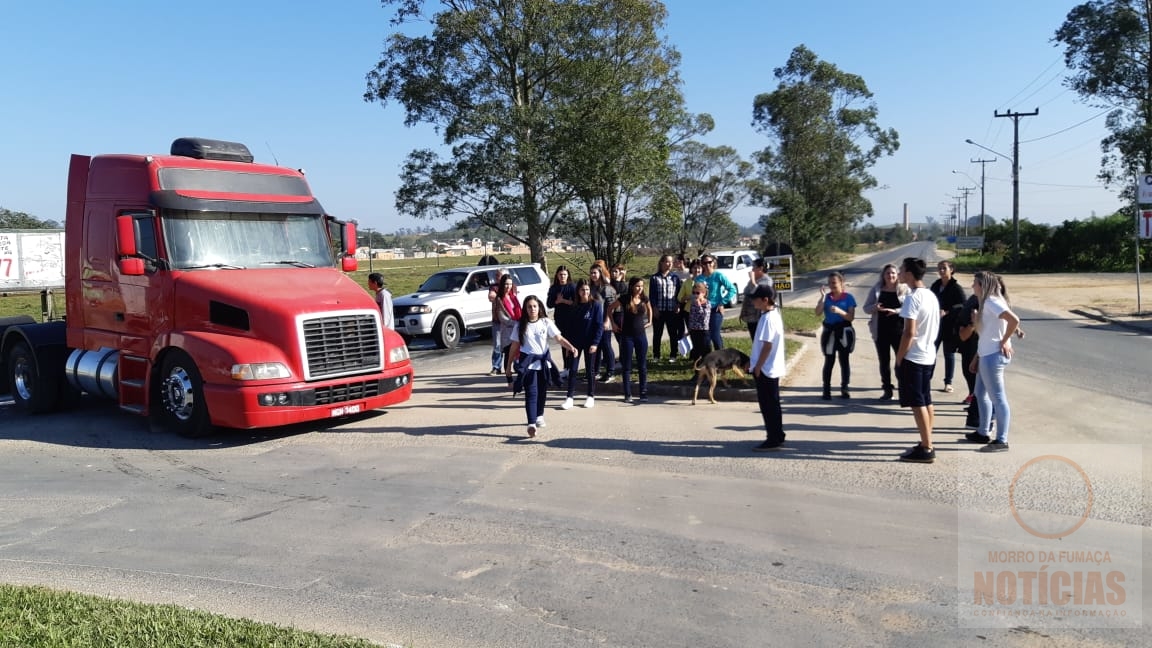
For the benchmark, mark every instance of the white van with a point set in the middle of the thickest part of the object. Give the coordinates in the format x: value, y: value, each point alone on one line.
x: 451, y: 302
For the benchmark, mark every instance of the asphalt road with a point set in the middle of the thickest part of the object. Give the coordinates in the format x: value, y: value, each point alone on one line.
x: 437, y: 524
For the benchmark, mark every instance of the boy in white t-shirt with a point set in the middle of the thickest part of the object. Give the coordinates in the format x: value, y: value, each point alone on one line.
x: 916, y: 358
x: 767, y: 364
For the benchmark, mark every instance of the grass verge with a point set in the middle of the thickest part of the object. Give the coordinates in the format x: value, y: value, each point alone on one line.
x: 38, y: 617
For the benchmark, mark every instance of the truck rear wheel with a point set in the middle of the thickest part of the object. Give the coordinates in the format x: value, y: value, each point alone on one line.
x: 32, y: 391
x: 181, y: 397
x: 447, y: 331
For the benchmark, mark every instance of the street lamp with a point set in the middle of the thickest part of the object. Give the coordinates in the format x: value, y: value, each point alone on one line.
x: 1015, y: 199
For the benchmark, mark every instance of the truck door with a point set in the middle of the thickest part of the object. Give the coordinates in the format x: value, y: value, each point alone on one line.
x: 147, y: 297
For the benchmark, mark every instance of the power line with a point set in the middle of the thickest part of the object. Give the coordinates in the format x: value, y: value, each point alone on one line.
x: 1065, y: 130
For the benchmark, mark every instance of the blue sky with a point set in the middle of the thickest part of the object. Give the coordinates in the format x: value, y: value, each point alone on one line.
x: 286, y: 77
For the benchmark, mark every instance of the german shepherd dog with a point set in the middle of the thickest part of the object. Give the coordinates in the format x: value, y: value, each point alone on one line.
x: 715, y: 365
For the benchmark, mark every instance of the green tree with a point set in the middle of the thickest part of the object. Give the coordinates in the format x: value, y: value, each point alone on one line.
x: 824, y: 139
x: 1108, y: 46
x: 709, y: 182
x: 19, y: 221
x: 548, y: 108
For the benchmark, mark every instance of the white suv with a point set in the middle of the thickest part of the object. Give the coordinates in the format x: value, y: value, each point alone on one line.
x: 735, y: 264
x: 451, y: 302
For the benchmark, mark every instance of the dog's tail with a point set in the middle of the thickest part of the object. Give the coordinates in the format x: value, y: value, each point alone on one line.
x: 696, y: 365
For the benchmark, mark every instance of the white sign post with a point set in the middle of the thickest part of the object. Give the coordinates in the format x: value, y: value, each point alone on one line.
x: 1143, y: 225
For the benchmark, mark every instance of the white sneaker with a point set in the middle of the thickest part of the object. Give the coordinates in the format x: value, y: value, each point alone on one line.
x: 540, y: 422
x: 567, y: 404
x: 589, y: 402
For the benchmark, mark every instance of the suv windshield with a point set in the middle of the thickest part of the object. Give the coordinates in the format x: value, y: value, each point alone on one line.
x: 244, y: 240
x: 444, y: 282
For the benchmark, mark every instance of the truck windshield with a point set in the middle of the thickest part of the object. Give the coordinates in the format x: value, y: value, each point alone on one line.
x: 244, y: 240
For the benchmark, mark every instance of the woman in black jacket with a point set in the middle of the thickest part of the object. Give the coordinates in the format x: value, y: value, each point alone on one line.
x: 587, y: 328
x: 951, y: 297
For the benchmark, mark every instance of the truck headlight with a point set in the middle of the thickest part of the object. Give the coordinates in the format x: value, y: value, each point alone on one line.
x: 260, y: 371
x: 398, y: 354
x: 417, y: 310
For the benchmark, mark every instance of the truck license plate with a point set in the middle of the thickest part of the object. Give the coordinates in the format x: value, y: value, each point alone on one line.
x: 345, y: 410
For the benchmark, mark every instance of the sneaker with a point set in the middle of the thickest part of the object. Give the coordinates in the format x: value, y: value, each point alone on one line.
x: 844, y: 394
x: 969, y: 399
x: 768, y: 446
x: 627, y: 399
x: 910, y: 450
x: 919, y: 455
x: 948, y: 388
x: 995, y: 446
x: 826, y: 396
x: 589, y: 402
x: 976, y: 437
x: 540, y: 422
x: 888, y: 391
x: 567, y: 404
x: 531, y: 431
x: 643, y: 398
x: 607, y: 379
x: 496, y: 371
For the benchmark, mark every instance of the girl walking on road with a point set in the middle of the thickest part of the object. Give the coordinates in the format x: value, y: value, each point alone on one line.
x: 537, y: 371
x: 506, y: 310
x: 587, y: 327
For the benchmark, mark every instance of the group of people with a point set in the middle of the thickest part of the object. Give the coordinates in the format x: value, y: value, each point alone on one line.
x: 589, y: 313
x: 911, y: 323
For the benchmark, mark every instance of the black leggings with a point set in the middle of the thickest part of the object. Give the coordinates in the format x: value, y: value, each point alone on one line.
x: 845, y: 369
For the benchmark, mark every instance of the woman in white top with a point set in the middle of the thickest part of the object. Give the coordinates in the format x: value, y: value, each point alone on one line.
x: 530, y: 348
x: 996, y: 325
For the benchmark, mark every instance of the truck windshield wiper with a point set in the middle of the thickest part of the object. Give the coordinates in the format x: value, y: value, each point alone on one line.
x: 222, y: 266
x: 298, y: 264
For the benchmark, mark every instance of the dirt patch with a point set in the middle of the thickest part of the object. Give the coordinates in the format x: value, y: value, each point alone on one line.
x: 1109, y: 294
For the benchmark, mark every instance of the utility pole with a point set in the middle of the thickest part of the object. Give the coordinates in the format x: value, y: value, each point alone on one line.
x: 1015, y: 116
x: 370, y: 255
x: 982, y: 213
x: 966, y: 190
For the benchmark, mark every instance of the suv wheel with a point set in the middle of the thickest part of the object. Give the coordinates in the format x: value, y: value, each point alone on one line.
x: 447, y: 331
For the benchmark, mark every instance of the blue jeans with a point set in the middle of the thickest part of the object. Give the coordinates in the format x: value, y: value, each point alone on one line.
x: 497, y: 350
x: 589, y: 371
x: 992, y: 395
x: 638, y: 346
x: 714, y: 332
x: 535, y: 393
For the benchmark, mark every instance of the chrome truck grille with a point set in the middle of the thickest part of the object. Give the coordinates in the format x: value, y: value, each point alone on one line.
x: 341, y: 344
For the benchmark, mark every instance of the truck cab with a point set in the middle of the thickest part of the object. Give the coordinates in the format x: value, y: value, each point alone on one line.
x: 205, y: 289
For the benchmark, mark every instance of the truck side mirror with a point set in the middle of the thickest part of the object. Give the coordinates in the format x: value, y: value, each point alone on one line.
x: 125, y: 236
x: 348, y: 264
x: 131, y: 266
x: 128, y: 262
x: 350, y: 239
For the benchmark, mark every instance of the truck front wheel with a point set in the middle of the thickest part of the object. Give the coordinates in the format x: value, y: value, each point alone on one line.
x: 447, y: 331
x: 32, y: 391
x: 181, y: 395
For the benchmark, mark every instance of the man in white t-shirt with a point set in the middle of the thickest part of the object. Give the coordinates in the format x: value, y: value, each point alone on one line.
x: 767, y: 364
x: 916, y: 358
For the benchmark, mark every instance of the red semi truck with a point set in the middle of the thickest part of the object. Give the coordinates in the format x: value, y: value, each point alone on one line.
x: 204, y: 289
